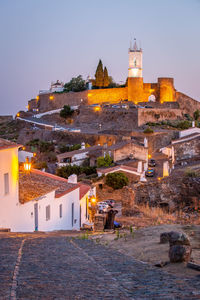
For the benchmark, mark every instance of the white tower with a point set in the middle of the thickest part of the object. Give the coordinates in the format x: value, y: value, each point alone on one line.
x: 135, y: 61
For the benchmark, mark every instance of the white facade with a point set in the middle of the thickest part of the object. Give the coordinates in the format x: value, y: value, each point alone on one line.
x: 9, y: 186
x: 186, y: 132
x: 22, y: 155
x: 135, y: 61
x: 45, y: 213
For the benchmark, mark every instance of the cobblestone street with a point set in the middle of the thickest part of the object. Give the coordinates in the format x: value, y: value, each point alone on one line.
x: 63, y: 267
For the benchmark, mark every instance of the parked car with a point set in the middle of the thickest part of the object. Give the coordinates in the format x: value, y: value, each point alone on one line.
x: 125, y: 106
x: 102, y: 207
x: 110, y: 202
x: 150, y: 173
x: 148, y: 106
x: 74, y: 130
x: 152, y: 162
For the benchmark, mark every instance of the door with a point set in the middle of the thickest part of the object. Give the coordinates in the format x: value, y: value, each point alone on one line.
x: 80, y: 215
x: 36, y: 216
x: 72, y: 214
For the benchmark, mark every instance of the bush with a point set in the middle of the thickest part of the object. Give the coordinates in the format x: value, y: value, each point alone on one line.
x: 191, y: 173
x: 66, y: 112
x: 69, y: 170
x: 104, y: 161
x: 184, y: 124
x: 116, y: 180
x: 40, y: 165
x: 148, y: 130
x: 196, y: 114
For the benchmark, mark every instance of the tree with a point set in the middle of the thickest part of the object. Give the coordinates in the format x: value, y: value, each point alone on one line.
x: 66, y: 112
x: 104, y: 161
x: 106, y: 80
x: 116, y: 180
x: 196, y: 114
x: 99, y: 75
x: 76, y: 84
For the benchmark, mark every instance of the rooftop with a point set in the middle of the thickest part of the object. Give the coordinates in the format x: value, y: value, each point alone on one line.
x: 37, y: 183
x: 5, y: 144
x: 72, y: 153
x: 84, y: 189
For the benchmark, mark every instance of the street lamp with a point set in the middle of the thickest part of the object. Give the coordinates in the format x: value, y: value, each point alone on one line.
x: 27, y: 165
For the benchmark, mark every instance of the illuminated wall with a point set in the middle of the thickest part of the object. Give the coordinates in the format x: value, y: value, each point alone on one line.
x: 107, y: 95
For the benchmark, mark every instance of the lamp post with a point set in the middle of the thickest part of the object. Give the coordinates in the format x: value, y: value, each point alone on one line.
x: 27, y: 165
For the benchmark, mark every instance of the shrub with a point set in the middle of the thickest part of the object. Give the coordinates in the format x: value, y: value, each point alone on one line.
x: 66, y: 112
x: 196, y: 114
x: 116, y: 180
x: 69, y: 170
x: 184, y: 124
x: 191, y: 173
x: 148, y: 130
x: 104, y: 161
x: 40, y: 165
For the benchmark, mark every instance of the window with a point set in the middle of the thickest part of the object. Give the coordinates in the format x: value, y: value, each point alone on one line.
x: 47, y: 212
x: 60, y: 210
x: 6, y: 184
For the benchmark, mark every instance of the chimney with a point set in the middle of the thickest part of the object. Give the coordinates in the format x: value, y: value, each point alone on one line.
x: 83, y: 145
x: 72, y: 178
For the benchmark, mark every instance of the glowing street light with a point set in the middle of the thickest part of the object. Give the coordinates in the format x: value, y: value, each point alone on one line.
x: 27, y: 165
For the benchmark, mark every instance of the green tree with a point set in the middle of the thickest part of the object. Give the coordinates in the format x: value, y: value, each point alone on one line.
x: 196, y: 114
x: 99, y: 75
x: 76, y: 84
x: 116, y: 180
x: 104, y: 161
x: 66, y: 112
x: 106, y: 80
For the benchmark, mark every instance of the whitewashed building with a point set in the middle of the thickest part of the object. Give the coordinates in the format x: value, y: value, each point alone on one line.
x: 35, y: 200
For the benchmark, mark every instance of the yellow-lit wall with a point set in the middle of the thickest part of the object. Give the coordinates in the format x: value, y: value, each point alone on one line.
x: 107, y: 95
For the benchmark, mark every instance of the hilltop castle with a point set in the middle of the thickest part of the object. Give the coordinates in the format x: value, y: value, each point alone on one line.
x: 136, y: 91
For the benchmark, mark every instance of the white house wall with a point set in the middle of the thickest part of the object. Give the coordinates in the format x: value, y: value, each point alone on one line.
x: 24, y: 220
x: 8, y: 203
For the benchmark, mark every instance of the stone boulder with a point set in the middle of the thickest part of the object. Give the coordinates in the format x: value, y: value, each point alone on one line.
x: 178, y: 238
x: 179, y: 253
x: 164, y: 237
x: 180, y: 249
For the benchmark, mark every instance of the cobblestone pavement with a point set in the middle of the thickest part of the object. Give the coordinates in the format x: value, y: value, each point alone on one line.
x: 60, y: 267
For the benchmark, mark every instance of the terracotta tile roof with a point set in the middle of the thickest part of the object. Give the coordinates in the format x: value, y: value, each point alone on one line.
x: 84, y: 189
x: 5, y: 144
x: 186, y: 138
x: 37, y: 183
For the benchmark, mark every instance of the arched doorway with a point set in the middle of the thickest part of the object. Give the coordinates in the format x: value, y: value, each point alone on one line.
x: 152, y: 98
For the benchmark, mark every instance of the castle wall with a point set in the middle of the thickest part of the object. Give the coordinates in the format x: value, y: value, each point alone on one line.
x: 187, y: 104
x: 146, y: 115
x: 57, y: 100
x: 107, y: 95
x: 135, y: 89
x: 166, y: 90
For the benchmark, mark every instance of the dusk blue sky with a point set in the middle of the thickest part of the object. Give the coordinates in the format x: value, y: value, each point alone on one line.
x: 46, y: 40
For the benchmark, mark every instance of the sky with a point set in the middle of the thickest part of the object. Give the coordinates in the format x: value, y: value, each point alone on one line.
x: 46, y: 40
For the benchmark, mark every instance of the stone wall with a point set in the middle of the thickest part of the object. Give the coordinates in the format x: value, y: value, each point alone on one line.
x: 157, y: 114
x: 171, y: 192
x: 187, y: 149
x: 4, y: 119
x: 66, y: 137
x: 187, y: 104
x: 107, y: 95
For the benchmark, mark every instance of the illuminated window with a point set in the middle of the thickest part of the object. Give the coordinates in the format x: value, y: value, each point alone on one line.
x: 47, y: 212
x: 6, y: 184
x: 60, y: 210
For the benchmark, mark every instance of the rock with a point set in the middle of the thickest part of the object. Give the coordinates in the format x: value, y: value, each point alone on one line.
x: 178, y: 238
x: 161, y: 264
x: 164, y: 237
x: 180, y: 253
